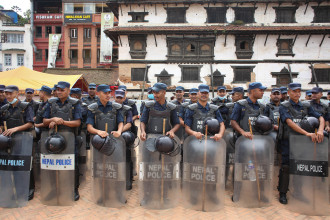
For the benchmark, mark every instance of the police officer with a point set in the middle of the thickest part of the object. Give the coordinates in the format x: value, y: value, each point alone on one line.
x: 55, y: 114
x: 54, y: 90
x: 76, y: 93
x: 158, y: 106
x: 291, y: 113
x: 319, y: 106
x: 284, y: 93
x: 149, y: 97
x: 221, y: 98
x: 308, y: 95
x: 92, y: 97
x: 193, y: 98
x: 29, y: 94
x: 273, y: 107
x: 128, y: 121
x: 3, y: 99
x: 194, y: 119
x: 18, y: 116
x: 44, y: 93
x: 130, y: 103
x: 152, y: 120
x: 196, y: 114
x: 248, y: 109
x: 105, y: 110
x: 227, y: 108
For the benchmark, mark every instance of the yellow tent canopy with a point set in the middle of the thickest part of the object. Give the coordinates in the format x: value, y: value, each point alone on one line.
x: 24, y: 77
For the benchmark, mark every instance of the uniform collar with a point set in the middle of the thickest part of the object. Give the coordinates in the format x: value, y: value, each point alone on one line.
x: 160, y: 104
x: 250, y: 101
x: 293, y: 103
x: 99, y: 103
x: 207, y: 107
x: 126, y: 101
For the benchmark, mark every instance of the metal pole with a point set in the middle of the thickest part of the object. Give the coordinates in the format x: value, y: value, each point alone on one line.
x: 144, y: 81
x: 211, y: 67
x: 314, y: 75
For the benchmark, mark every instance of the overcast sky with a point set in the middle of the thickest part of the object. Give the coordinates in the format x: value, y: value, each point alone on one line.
x: 23, y: 4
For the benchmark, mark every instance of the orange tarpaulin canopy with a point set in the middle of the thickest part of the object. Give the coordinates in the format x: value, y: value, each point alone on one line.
x: 24, y: 77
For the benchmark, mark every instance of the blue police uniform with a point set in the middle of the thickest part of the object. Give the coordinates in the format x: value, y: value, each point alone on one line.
x: 104, y: 109
x: 76, y: 111
x: 239, y: 110
x: 134, y: 108
x: 188, y: 119
x: 27, y: 115
x: 158, y: 107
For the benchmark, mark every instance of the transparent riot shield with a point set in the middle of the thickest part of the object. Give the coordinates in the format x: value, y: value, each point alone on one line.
x: 230, y: 158
x: 57, y: 171
x: 36, y: 162
x: 253, y: 171
x: 15, y: 166
x: 82, y: 160
x: 277, y: 160
x: 109, y: 175
x: 204, y: 173
x: 159, y: 176
x: 308, y: 188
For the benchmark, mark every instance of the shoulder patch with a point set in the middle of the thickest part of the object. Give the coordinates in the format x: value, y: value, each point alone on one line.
x: 193, y: 106
x: 149, y: 103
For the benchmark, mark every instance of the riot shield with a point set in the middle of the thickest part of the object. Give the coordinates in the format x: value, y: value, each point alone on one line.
x: 204, y: 173
x: 308, y: 188
x: 109, y: 175
x: 159, y: 176
x: 15, y: 166
x: 36, y: 162
x: 57, y: 171
x: 277, y: 160
x: 230, y: 158
x: 180, y: 133
x: 253, y: 185
x: 82, y: 159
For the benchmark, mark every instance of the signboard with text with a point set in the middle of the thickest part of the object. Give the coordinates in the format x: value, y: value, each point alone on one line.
x: 107, y: 20
x: 78, y: 18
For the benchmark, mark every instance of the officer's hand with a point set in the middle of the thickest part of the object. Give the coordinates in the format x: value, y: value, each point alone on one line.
x: 248, y: 135
x: 52, y: 125
x: 170, y: 133
x: 143, y: 136
x: 320, y: 136
x: 327, y: 128
x: 102, y: 134
x: 198, y: 135
x: 58, y: 121
x: 116, y: 133
x: 312, y: 136
x: 276, y: 127
x: 217, y: 137
x: 9, y: 132
x: 34, y: 118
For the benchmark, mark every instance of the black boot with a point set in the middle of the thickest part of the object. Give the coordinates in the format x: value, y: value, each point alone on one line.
x: 283, y: 184
x: 32, y: 186
x: 76, y: 194
x: 31, y: 194
x: 283, y: 199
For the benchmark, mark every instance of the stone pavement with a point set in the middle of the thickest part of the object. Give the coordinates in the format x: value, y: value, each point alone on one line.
x: 86, y: 209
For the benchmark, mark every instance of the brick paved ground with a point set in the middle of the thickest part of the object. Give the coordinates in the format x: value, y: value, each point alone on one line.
x: 86, y: 209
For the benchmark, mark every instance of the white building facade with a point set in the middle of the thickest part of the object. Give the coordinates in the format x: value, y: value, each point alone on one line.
x: 232, y: 42
x: 15, y: 45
